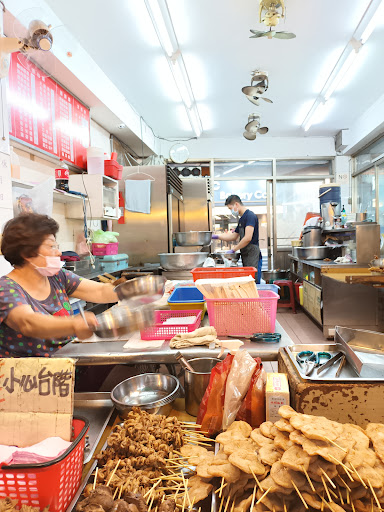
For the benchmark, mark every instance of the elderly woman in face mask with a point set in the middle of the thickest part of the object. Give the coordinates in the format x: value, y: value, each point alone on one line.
x: 35, y: 314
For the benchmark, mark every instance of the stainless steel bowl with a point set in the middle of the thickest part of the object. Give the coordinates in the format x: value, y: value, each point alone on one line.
x: 124, y: 319
x: 182, y: 260
x: 192, y: 238
x: 152, y: 392
x: 274, y: 275
x: 148, y: 285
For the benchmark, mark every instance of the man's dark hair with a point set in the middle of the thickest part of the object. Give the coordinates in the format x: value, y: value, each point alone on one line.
x: 23, y: 235
x: 233, y: 199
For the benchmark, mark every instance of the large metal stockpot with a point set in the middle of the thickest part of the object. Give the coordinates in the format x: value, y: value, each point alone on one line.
x: 196, y: 382
x: 191, y: 238
x: 312, y: 236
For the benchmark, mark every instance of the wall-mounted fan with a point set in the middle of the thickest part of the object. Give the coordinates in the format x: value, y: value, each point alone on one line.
x: 28, y: 34
x: 253, y: 127
x: 259, y: 84
x: 270, y: 13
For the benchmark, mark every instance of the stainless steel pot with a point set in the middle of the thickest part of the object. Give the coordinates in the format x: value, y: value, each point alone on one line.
x: 191, y: 238
x: 312, y: 236
x: 182, y: 260
x: 196, y: 382
x: 314, y: 253
x: 152, y: 392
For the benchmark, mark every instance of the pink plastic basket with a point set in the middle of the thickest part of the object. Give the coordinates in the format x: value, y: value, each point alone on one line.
x: 105, y: 249
x: 165, y: 332
x: 243, y: 317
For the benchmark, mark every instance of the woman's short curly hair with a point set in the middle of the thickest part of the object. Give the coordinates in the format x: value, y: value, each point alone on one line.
x: 23, y: 235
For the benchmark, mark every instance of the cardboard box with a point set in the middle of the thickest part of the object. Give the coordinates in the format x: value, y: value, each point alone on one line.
x: 276, y: 395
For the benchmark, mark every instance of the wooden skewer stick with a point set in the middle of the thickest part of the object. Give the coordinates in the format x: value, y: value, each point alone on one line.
x: 233, y: 505
x: 300, y: 495
x: 345, y: 483
x: 263, y: 496
x: 340, y: 495
x: 95, y: 479
x: 335, y: 444
x: 193, y: 502
x: 327, y: 477
x: 121, y: 490
x: 114, y: 494
x: 221, y: 503
x: 151, y: 503
x: 199, y: 443
x: 347, y: 470
x: 374, y: 494
x: 186, y: 487
x: 190, y: 423
x: 324, y: 502
x: 113, y: 472
x: 348, y: 500
x: 353, y: 506
x: 151, y: 489
x: 255, y: 477
x: 361, y: 480
x: 199, y: 509
x: 309, y: 480
x: 253, y: 498
x: 371, y: 504
x: 285, y: 506
x: 226, y: 505
x: 326, y: 488
x: 333, y: 494
x: 220, y: 488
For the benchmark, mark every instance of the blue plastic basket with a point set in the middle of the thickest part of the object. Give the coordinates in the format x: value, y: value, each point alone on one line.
x: 185, y: 294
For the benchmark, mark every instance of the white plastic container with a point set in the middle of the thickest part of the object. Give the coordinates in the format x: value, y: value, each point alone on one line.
x: 95, y: 160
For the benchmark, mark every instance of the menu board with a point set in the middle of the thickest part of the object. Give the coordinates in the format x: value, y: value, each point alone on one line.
x: 45, y: 115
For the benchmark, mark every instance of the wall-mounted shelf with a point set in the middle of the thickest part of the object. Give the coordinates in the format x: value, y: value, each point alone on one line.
x: 58, y: 196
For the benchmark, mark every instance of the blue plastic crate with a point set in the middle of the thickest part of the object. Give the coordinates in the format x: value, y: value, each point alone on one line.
x: 185, y: 294
x: 271, y: 287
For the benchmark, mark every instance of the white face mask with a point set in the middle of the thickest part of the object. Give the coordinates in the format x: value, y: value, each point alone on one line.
x: 53, y: 266
x: 235, y: 213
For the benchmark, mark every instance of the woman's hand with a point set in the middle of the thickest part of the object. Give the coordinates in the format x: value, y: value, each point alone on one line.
x: 84, y: 330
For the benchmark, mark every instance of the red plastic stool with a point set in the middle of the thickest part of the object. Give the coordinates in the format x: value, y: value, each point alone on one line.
x: 288, y: 303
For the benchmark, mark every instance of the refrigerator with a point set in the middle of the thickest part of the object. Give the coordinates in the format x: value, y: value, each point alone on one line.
x: 177, y: 204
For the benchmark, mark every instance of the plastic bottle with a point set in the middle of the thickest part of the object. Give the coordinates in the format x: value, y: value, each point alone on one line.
x: 62, y: 177
x: 343, y: 217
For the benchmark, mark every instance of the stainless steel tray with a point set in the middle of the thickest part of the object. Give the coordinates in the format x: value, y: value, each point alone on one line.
x: 364, y: 351
x: 98, y: 409
x: 348, y: 373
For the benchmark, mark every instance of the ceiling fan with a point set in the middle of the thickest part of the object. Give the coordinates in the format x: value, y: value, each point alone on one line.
x: 32, y: 37
x: 270, y: 13
x: 252, y: 128
x: 255, y: 92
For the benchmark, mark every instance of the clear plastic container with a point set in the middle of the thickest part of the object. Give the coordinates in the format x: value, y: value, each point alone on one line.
x: 95, y: 160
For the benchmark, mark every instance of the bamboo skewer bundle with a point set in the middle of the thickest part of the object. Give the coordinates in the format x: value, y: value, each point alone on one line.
x: 231, y: 288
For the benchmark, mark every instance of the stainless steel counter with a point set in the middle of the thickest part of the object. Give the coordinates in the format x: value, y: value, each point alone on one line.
x: 113, y: 352
x: 322, y: 263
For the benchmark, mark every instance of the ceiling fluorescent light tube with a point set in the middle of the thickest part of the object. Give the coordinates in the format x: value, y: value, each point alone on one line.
x: 309, y: 120
x: 234, y: 169
x: 338, y: 78
x: 164, y: 32
x: 194, y: 119
x: 182, y: 82
x: 376, y: 16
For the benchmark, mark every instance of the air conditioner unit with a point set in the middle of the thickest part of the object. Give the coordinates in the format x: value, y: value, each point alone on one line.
x: 342, y: 140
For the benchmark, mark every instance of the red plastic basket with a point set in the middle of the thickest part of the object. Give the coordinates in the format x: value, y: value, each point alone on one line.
x: 165, y: 332
x: 50, y: 484
x: 243, y: 317
x: 105, y: 249
x: 222, y: 273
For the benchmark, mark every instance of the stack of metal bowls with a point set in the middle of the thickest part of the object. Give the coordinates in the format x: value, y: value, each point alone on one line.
x: 155, y: 393
x: 192, y: 238
x: 182, y: 260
